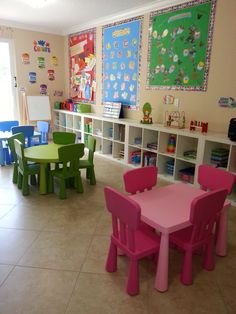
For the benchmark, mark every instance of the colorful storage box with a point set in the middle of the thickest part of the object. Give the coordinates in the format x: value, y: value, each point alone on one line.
x: 187, y: 174
x: 57, y: 105
x: 83, y: 108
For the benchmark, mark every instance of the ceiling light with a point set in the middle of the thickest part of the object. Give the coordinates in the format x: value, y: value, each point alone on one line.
x: 38, y: 3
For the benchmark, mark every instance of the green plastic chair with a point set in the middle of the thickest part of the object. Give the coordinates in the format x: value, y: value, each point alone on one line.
x: 24, y: 169
x: 20, y: 137
x: 69, y: 156
x: 63, y: 138
x: 88, y: 163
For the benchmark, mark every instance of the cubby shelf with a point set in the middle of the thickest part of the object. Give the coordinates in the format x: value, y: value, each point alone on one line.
x: 134, y: 144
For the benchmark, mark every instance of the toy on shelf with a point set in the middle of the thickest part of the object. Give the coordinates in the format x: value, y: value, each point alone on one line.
x: 198, y: 126
x: 175, y: 119
x: 147, y: 109
x: 171, y: 144
x: 135, y: 157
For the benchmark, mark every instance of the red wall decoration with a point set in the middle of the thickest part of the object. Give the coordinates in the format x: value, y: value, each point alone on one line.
x: 82, y: 66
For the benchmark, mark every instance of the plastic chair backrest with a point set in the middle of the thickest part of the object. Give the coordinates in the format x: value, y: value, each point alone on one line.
x: 204, y: 213
x: 91, y: 145
x: 69, y: 155
x: 140, y: 179
x: 19, y: 149
x: 211, y: 178
x: 125, y: 216
x: 63, y: 138
x: 27, y: 130
x: 18, y: 136
x: 5, y: 126
x: 43, y: 128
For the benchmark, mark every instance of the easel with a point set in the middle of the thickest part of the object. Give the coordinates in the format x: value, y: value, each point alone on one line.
x: 36, y: 108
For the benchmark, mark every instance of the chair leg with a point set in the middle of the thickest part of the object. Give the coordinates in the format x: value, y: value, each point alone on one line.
x: 62, y: 192
x: 208, y: 259
x: 92, y: 177
x: 186, y: 273
x: 132, y: 287
x: 88, y: 173
x: 33, y: 179
x: 19, y: 181
x: 50, y: 184
x: 15, y: 173
x: 111, y: 263
x: 25, y: 187
x: 78, y: 184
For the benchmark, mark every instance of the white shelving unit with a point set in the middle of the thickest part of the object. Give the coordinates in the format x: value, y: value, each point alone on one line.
x: 137, y: 145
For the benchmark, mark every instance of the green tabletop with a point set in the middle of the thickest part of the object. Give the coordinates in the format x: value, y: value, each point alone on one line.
x: 43, y: 154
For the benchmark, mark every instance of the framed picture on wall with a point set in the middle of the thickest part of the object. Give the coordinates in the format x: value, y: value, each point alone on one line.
x: 121, y: 61
x: 82, y: 66
x: 180, y: 46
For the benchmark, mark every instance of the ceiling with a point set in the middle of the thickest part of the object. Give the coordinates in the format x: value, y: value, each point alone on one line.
x: 67, y: 16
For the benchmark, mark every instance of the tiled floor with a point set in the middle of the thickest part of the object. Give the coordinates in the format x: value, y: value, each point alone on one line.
x: 52, y: 256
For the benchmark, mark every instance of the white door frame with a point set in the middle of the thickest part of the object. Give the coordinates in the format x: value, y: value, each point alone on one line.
x: 13, y: 76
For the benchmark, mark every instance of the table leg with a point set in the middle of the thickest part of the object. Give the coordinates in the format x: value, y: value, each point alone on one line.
x: 161, y: 280
x: 43, y: 177
x: 221, y: 240
x: 2, y: 163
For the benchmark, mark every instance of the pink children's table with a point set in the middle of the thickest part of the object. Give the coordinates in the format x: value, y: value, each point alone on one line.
x: 167, y: 209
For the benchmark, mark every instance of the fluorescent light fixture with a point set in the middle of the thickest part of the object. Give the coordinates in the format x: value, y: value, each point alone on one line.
x: 38, y: 4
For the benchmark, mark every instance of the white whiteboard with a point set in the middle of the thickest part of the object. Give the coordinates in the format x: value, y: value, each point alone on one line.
x: 38, y: 108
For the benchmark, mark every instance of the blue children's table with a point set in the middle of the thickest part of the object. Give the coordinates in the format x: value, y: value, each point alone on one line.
x: 4, y: 153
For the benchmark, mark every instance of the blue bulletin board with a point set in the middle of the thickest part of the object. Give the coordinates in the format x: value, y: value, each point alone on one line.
x: 121, y: 59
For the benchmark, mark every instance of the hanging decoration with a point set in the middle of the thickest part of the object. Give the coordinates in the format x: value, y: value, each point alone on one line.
x: 41, y: 62
x: 58, y: 93
x: 43, y: 89
x: 32, y: 77
x: 82, y: 66
x: 25, y: 58
x: 180, y: 46
x: 51, y: 75
x: 121, y: 60
x: 54, y: 61
x: 41, y: 46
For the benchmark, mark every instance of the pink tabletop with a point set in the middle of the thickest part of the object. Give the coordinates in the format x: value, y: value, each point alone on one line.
x: 167, y: 209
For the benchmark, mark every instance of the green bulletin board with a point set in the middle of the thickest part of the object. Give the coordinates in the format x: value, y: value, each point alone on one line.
x: 180, y: 46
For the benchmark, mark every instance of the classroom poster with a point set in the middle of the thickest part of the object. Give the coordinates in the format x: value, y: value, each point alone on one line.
x: 82, y: 66
x: 121, y: 58
x: 180, y: 46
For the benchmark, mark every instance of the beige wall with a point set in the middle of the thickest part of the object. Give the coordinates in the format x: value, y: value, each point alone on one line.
x: 23, y: 42
x: 197, y: 105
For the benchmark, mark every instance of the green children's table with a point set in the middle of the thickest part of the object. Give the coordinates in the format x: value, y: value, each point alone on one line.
x: 43, y: 154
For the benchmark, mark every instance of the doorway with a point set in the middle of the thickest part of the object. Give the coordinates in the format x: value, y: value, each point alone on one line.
x: 8, y: 104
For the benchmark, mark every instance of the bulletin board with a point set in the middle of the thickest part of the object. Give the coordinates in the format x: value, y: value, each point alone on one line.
x: 38, y: 108
x: 121, y: 62
x: 180, y: 46
x: 82, y: 66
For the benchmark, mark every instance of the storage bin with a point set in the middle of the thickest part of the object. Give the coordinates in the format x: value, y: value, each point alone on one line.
x: 83, y: 108
x: 187, y: 174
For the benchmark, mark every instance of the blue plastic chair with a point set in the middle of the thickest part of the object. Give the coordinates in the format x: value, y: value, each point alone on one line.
x: 27, y: 130
x: 5, y: 156
x: 43, y: 129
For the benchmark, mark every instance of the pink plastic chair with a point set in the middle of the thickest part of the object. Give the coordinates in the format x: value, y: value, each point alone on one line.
x: 138, y: 180
x: 210, y: 179
x: 127, y: 236
x: 203, y: 216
